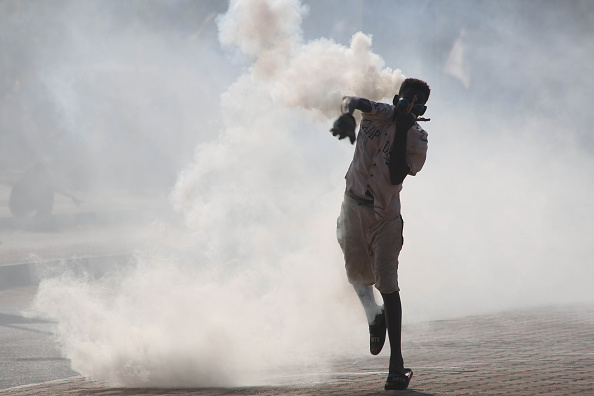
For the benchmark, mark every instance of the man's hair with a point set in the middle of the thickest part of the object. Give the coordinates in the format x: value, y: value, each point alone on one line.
x: 416, y: 84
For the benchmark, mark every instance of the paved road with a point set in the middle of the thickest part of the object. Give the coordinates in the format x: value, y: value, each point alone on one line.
x: 547, y: 351
x: 28, y: 353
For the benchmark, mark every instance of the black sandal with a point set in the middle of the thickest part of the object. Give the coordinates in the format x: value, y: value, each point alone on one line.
x: 377, y: 334
x: 397, y: 381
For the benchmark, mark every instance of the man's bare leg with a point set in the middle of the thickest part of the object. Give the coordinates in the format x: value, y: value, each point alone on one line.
x: 375, y: 318
x: 367, y: 299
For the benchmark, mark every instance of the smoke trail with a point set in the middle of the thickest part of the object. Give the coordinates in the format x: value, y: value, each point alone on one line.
x: 313, y: 75
x: 246, y: 288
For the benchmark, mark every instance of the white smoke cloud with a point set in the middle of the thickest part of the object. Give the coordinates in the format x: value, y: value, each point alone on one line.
x: 313, y: 75
x: 257, y: 272
x: 456, y: 65
x: 262, y: 29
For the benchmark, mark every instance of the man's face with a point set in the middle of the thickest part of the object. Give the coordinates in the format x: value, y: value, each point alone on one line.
x: 413, y: 100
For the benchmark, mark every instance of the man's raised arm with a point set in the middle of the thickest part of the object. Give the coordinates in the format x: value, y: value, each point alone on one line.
x: 345, y: 125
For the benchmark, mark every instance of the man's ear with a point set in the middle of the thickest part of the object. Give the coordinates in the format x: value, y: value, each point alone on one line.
x: 396, y: 99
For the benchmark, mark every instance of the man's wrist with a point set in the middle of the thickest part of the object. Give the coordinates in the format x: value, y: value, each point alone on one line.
x: 348, y: 105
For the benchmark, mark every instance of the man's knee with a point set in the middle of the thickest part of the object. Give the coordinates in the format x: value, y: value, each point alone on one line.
x: 387, y: 290
x: 360, y: 277
x: 387, y: 283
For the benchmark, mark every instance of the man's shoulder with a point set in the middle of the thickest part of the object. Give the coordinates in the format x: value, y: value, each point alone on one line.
x: 418, y: 132
x: 379, y: 110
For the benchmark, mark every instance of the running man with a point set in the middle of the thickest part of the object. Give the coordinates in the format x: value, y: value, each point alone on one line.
x: 389, y: 146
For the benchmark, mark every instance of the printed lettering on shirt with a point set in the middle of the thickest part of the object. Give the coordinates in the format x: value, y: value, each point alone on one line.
x: 386, y: 152
x: 423, y: 136
x: 381, y: 108
x: 369, y: 129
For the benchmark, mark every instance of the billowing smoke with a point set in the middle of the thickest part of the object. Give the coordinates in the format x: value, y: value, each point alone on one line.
x: 313, y: 75
x: 247, y: 286
x: 253, y: 281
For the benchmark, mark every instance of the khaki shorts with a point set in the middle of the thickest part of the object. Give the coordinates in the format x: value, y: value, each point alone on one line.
x: 370, y: 245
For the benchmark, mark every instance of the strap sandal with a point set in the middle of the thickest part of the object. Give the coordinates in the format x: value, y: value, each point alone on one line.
x: 398, y: 381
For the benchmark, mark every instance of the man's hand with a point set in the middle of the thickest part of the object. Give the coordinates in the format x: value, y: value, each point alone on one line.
x: 404, y: 121
x: 344, y: 126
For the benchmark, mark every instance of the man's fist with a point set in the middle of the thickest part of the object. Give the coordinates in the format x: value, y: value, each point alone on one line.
x: 344, y: 126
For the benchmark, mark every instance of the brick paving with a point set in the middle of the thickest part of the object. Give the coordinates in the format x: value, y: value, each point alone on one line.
x: 546, y: 351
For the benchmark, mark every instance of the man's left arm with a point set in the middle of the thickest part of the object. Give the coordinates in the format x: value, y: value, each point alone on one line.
x: 399, y: 166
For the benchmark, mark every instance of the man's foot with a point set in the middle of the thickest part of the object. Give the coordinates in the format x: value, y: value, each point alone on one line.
x: 377, y: 334
x: 398, y: 381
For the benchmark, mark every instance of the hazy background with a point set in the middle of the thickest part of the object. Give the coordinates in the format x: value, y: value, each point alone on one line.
x: 223, y: 121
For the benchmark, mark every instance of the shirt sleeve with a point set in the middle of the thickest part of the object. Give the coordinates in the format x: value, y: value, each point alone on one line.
x: 416, y: 149
x: 380, y: 111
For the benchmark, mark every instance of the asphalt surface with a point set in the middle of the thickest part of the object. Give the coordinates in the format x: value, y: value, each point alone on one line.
x: 545, y: 351
x: 28, y: 352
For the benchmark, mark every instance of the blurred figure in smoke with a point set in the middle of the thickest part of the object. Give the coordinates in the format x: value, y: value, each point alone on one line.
x: 34, y: 193
x: 390, y: 146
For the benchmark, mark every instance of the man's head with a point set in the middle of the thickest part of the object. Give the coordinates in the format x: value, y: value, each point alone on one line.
x: 412, y: 96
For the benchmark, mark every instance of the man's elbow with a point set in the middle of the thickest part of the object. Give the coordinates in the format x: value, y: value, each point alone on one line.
x: 398, y: 173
